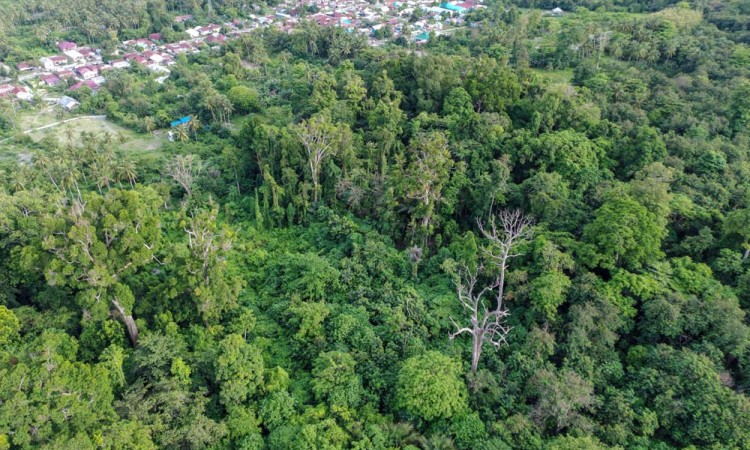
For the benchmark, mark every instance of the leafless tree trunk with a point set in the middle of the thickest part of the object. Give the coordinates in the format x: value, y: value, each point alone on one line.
x: 487, y: 321
x: 204, y: 241
x: 184, y: 169
x: 317, y: 139
x: 128, y: 320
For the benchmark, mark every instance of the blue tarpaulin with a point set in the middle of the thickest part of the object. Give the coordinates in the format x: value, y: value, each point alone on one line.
x: 182, y: 121
x: 454, y: 7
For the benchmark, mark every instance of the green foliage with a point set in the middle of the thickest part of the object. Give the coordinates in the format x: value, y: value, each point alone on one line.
x: 625, y: 233
x: 9, y: 326
x: 239, y: 370
x: 283, y: 268
x: 429, y: 386
x: 335, y: 380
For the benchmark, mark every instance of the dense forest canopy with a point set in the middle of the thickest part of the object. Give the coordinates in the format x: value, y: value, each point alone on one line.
x: 532, y: 233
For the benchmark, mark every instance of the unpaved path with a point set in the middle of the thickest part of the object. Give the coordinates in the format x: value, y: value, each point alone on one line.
x: 54, y: 124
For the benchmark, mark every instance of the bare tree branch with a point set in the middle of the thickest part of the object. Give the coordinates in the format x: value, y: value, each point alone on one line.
x: 487, y: 323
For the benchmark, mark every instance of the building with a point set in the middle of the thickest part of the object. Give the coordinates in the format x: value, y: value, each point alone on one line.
x: 19, y: 92
x: 454, y: 7
x: 66, y: 74
x: 65, y: 46
x: 51, y: 80
x: 51, y: 62
x: 90, y: 83
x: 557, y: 12
x: 68, y: 103
x: 216, y: 39
x: 120, y: 64
x: 87, y: 72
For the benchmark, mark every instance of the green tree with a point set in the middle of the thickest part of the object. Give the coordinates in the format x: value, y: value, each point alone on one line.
x: 429, y: 386
x: 9, y: 326
x: 244, y: 99
x: 335, y: 380
x: 625, y: 233
x: 98, y: 242
x: 239, y: 370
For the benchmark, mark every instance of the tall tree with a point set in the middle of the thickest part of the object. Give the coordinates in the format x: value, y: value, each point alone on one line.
x: 318, y: 138
x: 487, y: 322
x: 97, y: 242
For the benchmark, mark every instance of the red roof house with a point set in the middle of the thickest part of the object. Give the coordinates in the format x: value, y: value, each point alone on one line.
x: 80, y: 84
x: 64, y: 46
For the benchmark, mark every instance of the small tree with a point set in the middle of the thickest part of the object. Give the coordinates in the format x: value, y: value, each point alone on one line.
x: 487, y: 323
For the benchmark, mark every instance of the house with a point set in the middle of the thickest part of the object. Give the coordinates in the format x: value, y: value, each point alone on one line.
x: 68, y: 103
x: 51, y: 80
x: 66, y: 74
x: 90, y: 83
x: 183, y: 19
x: 24, y: 93
x: 87, y: 53
x: 120, y: 64
x: 20, y: 92
x: 193, y: 32
x: 182, y: 47
x: 24, y: 67
x: 155, y: 37
x: 216, y: 39
x: 143, y: 43
x: 50, y: 62
x: 75, y: 55
x: 135, y: 57
x: 65, y: 46
x: 557, y: 12
x: 87, y: 72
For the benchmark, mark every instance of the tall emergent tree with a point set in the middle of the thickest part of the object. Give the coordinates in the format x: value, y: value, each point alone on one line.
x: 487, y: 323
x: 317, y: 136
x: 97, y: 241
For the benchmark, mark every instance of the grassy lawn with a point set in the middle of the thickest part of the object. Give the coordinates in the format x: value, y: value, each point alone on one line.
x: 555, y: 76
x: 140, y: 146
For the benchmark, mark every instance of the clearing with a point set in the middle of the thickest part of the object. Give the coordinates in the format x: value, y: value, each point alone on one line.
x: 43, y: 123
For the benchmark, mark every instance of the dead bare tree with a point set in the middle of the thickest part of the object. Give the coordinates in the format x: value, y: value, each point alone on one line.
x: 184, y: 169
x: 318, y: 137
x: 487, y: 321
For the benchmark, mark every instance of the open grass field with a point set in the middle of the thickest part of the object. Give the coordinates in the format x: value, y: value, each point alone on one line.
x: 41, y: 124
x: 555, y: 76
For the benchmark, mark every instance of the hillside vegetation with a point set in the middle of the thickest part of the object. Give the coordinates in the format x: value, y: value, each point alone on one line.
x: 532, y: 233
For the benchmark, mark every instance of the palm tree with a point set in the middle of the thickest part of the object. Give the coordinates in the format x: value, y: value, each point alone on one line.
x: 400, y: 434
x: 69, y: 133
x: 100, y: 169
x: 47, y: 165
x: 127, y: 170
x: 195, y: 125
x: 437, y: 441
x: 182, y: 134
x: 107, y: 138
